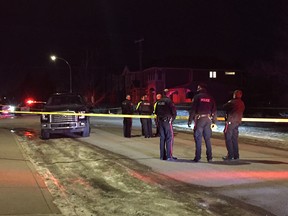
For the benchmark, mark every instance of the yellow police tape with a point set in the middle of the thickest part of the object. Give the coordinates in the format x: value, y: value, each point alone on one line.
x: 273, y: 120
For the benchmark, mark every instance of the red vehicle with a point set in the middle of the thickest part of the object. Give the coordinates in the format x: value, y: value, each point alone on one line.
x: 31, y: 105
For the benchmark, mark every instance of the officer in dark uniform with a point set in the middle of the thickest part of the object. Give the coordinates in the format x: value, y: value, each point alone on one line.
x: 234, y: 112
x: 166, y: 113
x: 146, y: 108
x: 158, y: 97
x: 203, y: 112
x: 127, y: 108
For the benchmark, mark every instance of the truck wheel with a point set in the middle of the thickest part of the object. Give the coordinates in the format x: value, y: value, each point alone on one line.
x: 86, y: 130
x: 45, y: 134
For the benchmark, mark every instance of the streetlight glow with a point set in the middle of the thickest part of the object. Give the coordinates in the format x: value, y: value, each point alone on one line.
x: 53, y: 58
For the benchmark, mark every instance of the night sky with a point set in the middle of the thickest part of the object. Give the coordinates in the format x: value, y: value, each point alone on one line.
x: 176, y: 33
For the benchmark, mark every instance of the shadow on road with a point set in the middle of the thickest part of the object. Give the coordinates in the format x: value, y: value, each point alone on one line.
x: 245, y: 162
x: 265, y: 161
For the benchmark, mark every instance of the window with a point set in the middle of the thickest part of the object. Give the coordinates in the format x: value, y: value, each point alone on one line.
x: 212, y: 74
x: 231, y: 73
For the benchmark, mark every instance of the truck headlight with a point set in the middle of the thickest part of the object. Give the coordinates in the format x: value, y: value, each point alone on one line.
x: 82, y: 116
x: 44, y: 117
x: 11, y: 108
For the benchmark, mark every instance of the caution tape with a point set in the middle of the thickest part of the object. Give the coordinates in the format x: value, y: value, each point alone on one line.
x: 271, y: 120
x: 274, y: 120
x: 80, y: 114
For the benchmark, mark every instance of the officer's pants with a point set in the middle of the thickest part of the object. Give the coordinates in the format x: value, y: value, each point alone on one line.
x: 231, y: 134
x: 147, y: 127
x: 202, y: 127
x: 127, y: 125
x: 166, y: 139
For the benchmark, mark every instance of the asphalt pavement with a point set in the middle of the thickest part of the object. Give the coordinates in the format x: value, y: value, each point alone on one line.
x: 259, y: 178
x: 22, y: 190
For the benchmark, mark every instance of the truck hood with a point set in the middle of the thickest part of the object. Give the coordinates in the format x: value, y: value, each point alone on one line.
x: 72, y: 107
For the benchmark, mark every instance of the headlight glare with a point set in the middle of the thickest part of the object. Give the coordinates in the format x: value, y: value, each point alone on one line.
x: 44, y: 117
x: 82, y: 116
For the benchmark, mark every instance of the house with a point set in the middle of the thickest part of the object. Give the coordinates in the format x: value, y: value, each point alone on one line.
x: 181, y: 82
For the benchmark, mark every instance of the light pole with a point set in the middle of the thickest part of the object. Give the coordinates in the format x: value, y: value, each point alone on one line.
x: 139, y: 42
x: 53, y: 58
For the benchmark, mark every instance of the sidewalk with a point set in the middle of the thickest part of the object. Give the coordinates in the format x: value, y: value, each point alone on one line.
x: 22, y: 191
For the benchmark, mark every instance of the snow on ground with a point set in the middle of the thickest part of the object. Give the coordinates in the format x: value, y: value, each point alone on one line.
x: 271, y: 131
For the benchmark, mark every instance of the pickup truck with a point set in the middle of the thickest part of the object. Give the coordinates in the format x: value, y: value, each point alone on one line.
x: 56, y: 122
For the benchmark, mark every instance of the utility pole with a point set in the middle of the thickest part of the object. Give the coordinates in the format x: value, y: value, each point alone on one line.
x: 140, y: 50
x: 139, y: 42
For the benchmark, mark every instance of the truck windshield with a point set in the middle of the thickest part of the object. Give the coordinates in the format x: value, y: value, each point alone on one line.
x: 64, y: 100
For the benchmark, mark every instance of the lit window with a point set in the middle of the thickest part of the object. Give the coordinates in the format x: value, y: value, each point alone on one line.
x: 212, y: 74
x: 232, y: 73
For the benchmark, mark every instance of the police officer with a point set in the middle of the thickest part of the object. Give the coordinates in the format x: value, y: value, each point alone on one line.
x: 234, y: 112
x: 203, y: 112
x: 146, y: 108
x: 127, y: 108
x: 141, y: 119
x: 166, y: 113
x: 158, y: 97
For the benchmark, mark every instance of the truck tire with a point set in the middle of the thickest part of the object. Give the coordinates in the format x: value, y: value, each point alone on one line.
x: 45, y: 134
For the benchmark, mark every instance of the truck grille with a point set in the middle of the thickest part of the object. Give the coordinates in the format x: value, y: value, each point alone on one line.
x: 63, y: 118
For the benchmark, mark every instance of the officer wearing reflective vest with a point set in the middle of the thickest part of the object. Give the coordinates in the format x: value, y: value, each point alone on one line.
x: 166, y: 114
x: 203, y: 113
x: 137, y: 110
x: 144, y: 107
x: 158, y: 97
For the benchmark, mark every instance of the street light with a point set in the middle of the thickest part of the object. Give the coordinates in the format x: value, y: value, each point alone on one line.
x: 53, y: 58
